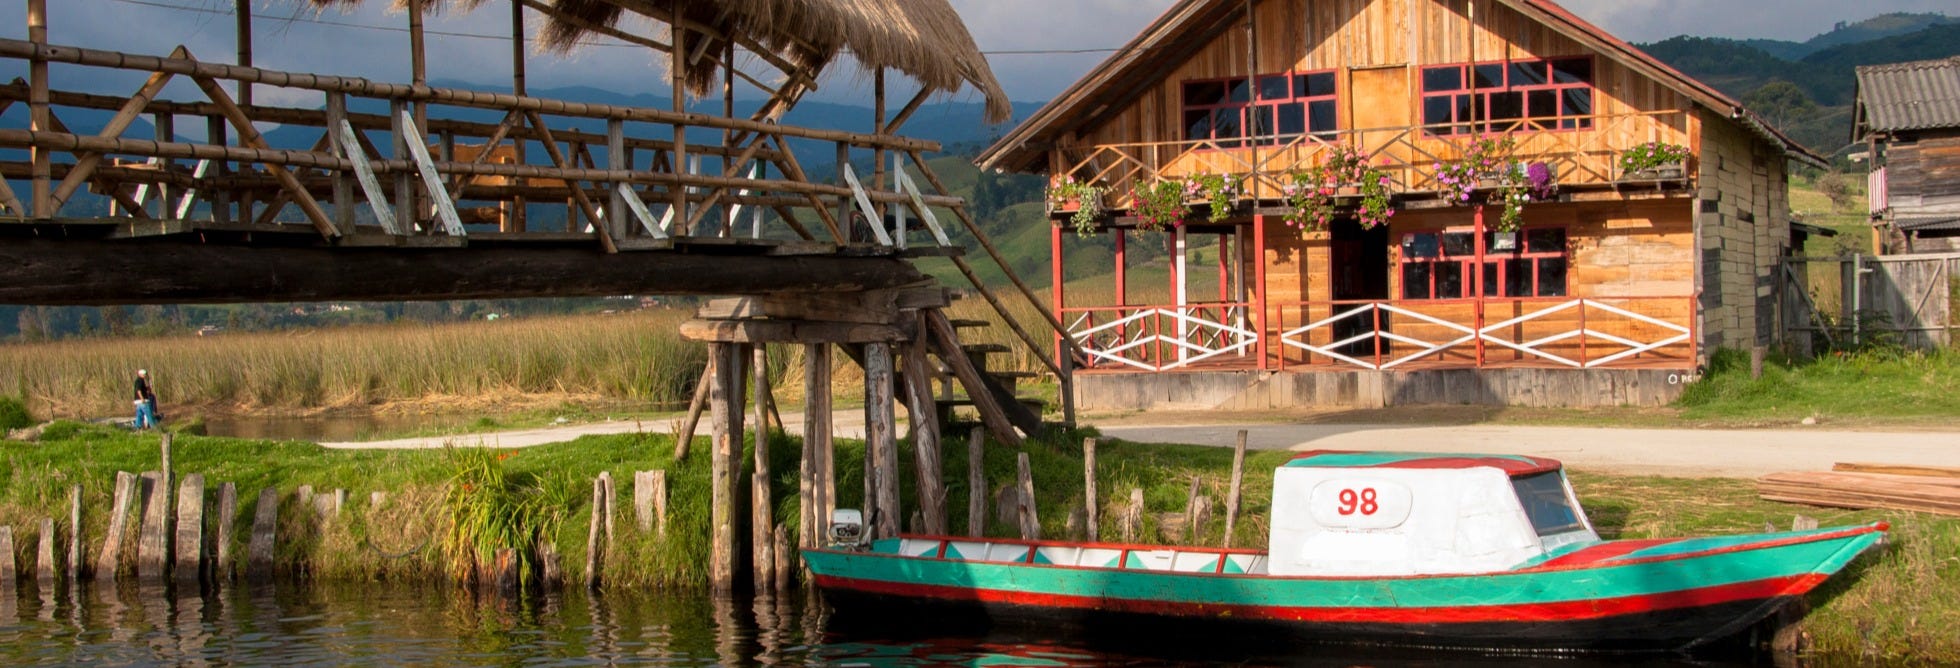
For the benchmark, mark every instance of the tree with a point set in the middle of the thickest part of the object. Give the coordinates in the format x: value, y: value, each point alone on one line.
x: 1836, y: 186
x: 1782, y: 103
x: 116, y: 320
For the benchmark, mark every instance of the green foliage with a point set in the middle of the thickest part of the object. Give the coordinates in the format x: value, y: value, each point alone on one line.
x: 1158, y: 205
x: 490, y: 509
x: 1651, y: 155
x: 1085, y: 199
x: 13, y: 414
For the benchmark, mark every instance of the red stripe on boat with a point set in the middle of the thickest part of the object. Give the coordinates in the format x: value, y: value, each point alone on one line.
x: 1522, y: 612
x: 1604, y: 551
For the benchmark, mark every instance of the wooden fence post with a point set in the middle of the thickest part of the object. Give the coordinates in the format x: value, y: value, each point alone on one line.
x: 1232, y: 497
x: 643, y: 500
x: 725, y: 407
x: 227, y: 518
x: 1030, y: 522
x: 1133, y: 516
x: 153, y: 548
x: 931, y: 484
x: 762, y: 498
x: 1089, y: 518
x: 190, y: 529
x: 1191, y: 511
x: 265, y: 529
x: 783, y: 563
x: 593, y: 560
x: 976, y: 483
x: 109, y: 560
x: 816, y: 482
x: 8, y: 574
x: 76, y: 563
x: 44, y: 566
x: 882, y: 436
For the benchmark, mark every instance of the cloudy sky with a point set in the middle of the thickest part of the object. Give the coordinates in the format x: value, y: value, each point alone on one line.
x: 371, y: 41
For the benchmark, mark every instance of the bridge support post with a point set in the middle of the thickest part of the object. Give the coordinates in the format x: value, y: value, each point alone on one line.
x: 725, y: 406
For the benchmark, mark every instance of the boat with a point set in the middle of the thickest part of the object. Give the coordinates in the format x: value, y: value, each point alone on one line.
x: 1419, y: 549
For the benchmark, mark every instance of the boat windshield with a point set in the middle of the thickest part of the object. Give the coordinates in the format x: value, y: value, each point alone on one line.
x: 1546, y: 503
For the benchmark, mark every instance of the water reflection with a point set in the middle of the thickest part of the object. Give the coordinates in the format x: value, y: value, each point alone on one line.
x: 391, y: 624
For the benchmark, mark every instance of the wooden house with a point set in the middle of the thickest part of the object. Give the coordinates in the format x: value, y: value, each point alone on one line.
x: 1909, y: 118
x: 1602, y: 286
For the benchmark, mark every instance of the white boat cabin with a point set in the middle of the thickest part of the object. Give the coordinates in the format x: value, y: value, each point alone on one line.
x: 1353, y: 514
x: 1383, y: 513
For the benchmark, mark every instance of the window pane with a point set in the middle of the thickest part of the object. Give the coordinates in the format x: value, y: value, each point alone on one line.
x: 1468, y: 109
x: 1320, y: 85
x: 1438, y: 111
x: 1528, y: 73
x: 1449, y: 280
x: 1459, y: 244
x: 1420, y: 246
x: 1275, y: 87
x: 1573, y: 71
x: 1517, y: 277
x: 1541, y: 105
x: 1491, y: 288
x: 1238, y: 90
x: 1440, y: 79
x: 1551, y: 277
x: 1578, y: 102
x: 1490, y: 76
x: 1292, y: 119
x: 1322, y: 116
x: 1227, y: 124
x: 1197, y: 124
x: 1262, y: 122
x: 1204, y: 93
x: 1506, y: 105
x: 1494, y: 244
x: 1415, y: 280
x: 1550, y: 240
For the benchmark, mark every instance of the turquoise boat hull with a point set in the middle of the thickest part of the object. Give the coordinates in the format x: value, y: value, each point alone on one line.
x: 1657, y: 595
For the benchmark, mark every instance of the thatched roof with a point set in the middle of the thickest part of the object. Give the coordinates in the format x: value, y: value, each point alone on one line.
x: 925, y: 39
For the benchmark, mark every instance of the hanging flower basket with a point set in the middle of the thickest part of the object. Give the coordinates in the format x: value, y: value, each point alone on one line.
x: 1654, y: 161
x: 1158, y: 205
x: 1082, y: 200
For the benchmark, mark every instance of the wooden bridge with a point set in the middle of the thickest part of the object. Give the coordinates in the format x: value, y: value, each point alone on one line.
x: 414, y: 192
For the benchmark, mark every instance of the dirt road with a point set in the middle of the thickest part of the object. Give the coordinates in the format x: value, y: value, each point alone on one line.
x: 1672, y: 452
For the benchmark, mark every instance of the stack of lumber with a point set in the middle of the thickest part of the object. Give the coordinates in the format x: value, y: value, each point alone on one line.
x: 1924, y: 489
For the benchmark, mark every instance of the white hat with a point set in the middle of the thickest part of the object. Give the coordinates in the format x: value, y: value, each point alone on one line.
x: 142, y: 372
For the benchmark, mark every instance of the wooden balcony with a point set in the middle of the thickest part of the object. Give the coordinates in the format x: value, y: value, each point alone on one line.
x: 1580, y: 158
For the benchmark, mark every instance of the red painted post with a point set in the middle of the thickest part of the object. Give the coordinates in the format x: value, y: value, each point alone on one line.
x: 1478, y: 284
x: 1055, y: 254
x: 1259, y: 276
x: 1122, y: 269
x: 1224, y: 269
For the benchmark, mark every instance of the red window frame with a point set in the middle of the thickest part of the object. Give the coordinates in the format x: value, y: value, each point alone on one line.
x: 1547, y: 94
x: 1539, y: 250
x: 1255, y: 107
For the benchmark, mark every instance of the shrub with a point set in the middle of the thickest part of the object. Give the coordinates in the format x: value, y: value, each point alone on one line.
x: 13, y: 414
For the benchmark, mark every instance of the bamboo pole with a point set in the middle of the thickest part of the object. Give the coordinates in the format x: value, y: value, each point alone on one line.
x: 22, y: 49
x: 85, y: 164
x: 1089, y: 488
x: 762, y: 501
x: 818, y: 485
x: 976, y: 483
x: 725, y: 407
x: 38, y: 114
x: 684, y: 438
x: 924, y: 417
x: 881, y: 437
x: 250, y: 137
x: 1232, y: 497
x: 1025, y: 506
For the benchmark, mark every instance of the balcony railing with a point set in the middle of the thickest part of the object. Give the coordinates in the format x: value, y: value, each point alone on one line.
x: 1408, y: 155
x: 1588, y: 333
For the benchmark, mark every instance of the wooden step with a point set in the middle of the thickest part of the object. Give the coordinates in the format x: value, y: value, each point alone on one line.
x: 984, y: 348
x: 968, y: 323
x: 1013, y: 375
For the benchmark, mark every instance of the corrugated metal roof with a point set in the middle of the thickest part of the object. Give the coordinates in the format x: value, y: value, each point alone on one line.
x: 1910, y: 96
x: 1928, y: 223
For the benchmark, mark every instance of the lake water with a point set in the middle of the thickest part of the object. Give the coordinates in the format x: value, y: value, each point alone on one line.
x: 392, y: 624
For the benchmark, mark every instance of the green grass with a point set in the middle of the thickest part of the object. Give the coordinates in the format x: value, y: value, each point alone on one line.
x: 1873, y: 387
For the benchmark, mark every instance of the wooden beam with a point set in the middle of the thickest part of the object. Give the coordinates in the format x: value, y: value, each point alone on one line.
x: 726, y: 468
x: 817, y: 485
x: 87, y: 162
x: 578, y: 195
x: 249, y: 136
x: 181, y: 269
x: 881, y: 440
x: 991, y: 413
x: 787, y: 331
x: 762, y: 500
x: 924, y: 417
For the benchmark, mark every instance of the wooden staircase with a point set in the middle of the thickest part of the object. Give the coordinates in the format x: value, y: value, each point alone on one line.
x: 1000, y: 384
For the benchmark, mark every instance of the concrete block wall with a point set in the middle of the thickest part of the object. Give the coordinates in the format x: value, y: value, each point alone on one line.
x: 1742, y: 223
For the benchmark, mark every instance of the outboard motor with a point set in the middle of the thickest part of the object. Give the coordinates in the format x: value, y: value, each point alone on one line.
x: 847, y: 529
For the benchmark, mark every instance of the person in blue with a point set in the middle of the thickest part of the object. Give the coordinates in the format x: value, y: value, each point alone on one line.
x: 146, y: 401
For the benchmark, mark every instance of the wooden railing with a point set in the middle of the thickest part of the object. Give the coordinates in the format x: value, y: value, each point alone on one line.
x: 1589, y: 333
x: 1408, y: 155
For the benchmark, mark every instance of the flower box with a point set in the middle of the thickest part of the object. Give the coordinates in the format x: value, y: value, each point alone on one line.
x: 1671, y: 171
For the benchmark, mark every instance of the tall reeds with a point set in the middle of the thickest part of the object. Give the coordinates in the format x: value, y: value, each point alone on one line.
x: 630, y: 356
